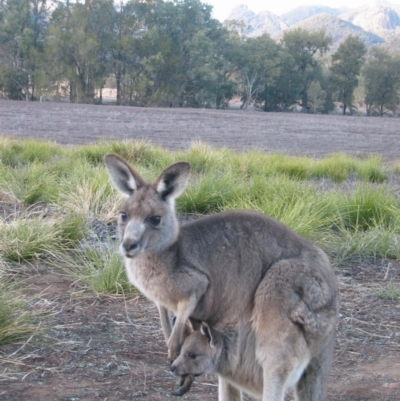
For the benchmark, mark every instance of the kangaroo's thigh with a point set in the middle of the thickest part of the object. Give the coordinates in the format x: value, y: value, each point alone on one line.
x: 312, y: 384
x: 284, y: 355
x: 226, y: 392
x: 281, y: 348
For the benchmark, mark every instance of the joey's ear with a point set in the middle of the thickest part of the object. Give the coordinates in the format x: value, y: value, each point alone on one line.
x: 206, y: 330
x: 122, y: 175
x: 172, y: 181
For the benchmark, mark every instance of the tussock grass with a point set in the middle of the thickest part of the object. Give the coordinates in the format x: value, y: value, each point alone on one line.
x: 293, y: 202
x: 346, y: 245
x: 99, y: 269
x: 17, y: 322
x: 31, y: 183
x: 209, y: 193
x: 33, y: 236
x: 358, y: 219
x: 354, y: 214
x: 369, y: 206
x: 90, y: 194
x: 336, y: 167
x: 389, y: 291
x: 204, y: 159
x: 14, y: 153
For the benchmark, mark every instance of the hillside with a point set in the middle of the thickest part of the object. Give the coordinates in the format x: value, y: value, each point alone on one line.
x: 264, y: 22
x: 303, y: 12
x: 379, y: 19
x: 337, y: 29
x: 374, y: 23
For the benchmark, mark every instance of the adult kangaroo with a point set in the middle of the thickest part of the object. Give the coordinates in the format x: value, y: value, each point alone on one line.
x: 224, y: 268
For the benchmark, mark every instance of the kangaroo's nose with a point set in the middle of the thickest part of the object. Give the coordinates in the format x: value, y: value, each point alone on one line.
x: 173, y: 368
x: 129, y: 245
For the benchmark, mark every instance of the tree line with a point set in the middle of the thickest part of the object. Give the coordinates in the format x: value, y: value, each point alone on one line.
x: 173, y: 53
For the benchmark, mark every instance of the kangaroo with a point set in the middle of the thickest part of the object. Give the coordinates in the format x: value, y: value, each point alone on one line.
x: 231, y: 353
x: 225, y: 268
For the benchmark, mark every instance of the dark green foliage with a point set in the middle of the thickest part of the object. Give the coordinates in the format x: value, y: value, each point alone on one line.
x: 346, y: 65
x: 382, y: 82
x: 174, y: 54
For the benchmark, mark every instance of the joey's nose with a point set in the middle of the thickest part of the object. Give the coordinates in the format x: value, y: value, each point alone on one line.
x: 129, y: 246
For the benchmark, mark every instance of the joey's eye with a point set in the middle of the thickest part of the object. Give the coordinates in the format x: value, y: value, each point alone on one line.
x: 123, y: 216
x: 191, y: 355
x: 155, y: 220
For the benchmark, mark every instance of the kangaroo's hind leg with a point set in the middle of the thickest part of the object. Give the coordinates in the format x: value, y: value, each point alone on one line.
x: 226, y: 392
x: 312, y: 384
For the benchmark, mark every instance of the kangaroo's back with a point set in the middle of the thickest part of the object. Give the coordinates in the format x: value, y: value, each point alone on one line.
x: 235, y: 250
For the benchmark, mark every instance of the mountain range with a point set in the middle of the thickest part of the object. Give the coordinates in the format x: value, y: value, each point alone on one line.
x: 374, y: 24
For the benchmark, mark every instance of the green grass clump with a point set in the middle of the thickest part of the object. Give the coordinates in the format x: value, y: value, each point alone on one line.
x: 30, y: 183
x: 390, y: 291
x: 100, y: 269
x: 33, y: 236
x: 74, y: 179
x: 292, y: 202
x: 208, y: 194
x: 371, y: 170
x: 88, y: 192
x: 204, y: 159
x: 15, y: 152
x: 139, y: 153
x: 345, y: 245
x: 337, y: 167
x: 368, y: 206
x: 16, y: 321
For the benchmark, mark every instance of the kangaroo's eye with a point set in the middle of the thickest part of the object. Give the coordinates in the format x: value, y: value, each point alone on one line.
x: 155, y: 220
x: 191, y: 355
x: 123, y: 216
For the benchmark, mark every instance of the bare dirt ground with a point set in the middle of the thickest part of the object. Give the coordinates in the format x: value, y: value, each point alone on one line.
x: 175, y: 128
x: 107, y: 348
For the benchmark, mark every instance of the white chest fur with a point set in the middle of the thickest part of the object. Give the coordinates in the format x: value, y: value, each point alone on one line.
x: 150, y: 277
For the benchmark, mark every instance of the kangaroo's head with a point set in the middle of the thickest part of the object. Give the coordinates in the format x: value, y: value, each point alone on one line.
x: 200, y: 353
x: 147, y: 220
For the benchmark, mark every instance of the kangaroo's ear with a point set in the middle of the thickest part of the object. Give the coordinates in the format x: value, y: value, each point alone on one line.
x: 122, y: 175
x: 172, y: 181
x: 206, y: 330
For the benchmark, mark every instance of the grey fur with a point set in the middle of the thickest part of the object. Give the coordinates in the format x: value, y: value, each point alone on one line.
x: 225, y: 269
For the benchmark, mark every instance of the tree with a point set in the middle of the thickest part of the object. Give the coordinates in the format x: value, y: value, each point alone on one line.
x: 303, y: 47
x: 224, y: 87
x: 257, y: 62
x: 316, y: 97
x: 22, y: 31
x: 381, y: 75
x: 346, y: 65
x: 79, y: 46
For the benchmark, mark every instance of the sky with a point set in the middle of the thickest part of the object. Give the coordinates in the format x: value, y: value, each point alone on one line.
x: 222, y: 8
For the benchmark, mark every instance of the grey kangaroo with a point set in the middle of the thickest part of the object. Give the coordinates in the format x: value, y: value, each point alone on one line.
x: 231, y: 354
x: 227, y: 268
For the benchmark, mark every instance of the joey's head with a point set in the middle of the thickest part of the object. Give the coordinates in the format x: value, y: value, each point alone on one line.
x: 200, y: 352
x: 147, y: 220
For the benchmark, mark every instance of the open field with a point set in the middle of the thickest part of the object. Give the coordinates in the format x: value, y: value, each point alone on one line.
x: 316, y: 135
x: 93, y: 346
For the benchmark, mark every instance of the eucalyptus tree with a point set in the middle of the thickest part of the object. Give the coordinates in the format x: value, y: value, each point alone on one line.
x: 78, y: 46
x: 179, y: 35
x: 381, y: 75
x: 256, y: 62
x: 304, y: 47
x: 22, y: 33
x: 224, y: 86
x: 346, y: 66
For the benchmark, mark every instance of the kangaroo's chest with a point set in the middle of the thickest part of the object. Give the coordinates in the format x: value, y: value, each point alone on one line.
x: 150, y: 277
